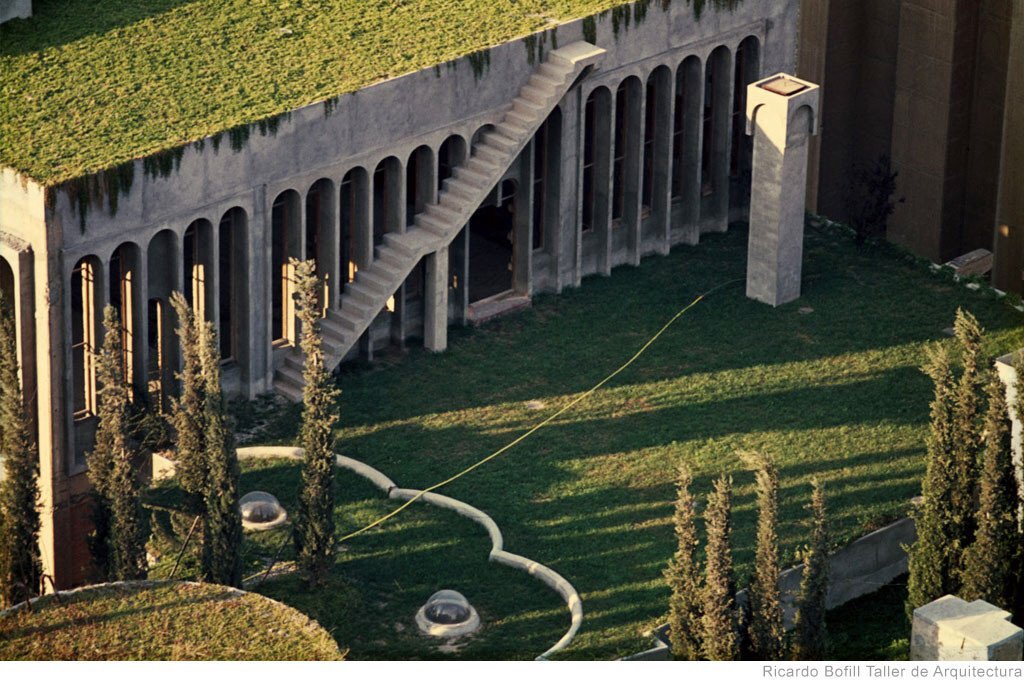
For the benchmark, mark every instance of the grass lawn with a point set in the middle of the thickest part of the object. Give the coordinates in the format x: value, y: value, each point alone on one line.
x: 171, y: 621
x: 829, y: 385
x: 89, y: 85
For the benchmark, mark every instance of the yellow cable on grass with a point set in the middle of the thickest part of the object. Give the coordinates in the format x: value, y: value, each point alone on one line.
x: 538, y: 427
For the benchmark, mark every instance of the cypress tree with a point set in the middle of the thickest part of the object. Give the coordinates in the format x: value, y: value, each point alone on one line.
x: 314, y: 526
x: 720, y: 633
x: 187, y: 409
x: 966, y: 450
x: 222, y: 536
x: 809, y: 632
x: 1018, y: 408
x: 111, y: 467
x: 931, y: 560
x: 765, y: 631
x: 20, y: 564
x: 991, y: 562
x: 683, y: 575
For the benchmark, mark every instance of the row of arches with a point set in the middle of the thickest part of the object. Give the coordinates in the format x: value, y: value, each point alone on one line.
x: 688, y: 148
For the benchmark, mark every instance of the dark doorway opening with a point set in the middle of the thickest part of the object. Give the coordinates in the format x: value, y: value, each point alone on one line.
x: 491, y: 232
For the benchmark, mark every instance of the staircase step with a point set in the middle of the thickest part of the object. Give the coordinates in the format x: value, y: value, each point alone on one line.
x: 522, y: 119
x: 511, y: 130
x: 525, y: 105
x: 537, y: 95
x: 401, y: 243
x: 374, y: 280
x: 500, y: 141
x: 481, y: 166
x: 291, y: 375
x: 332, y: 333
x: 472, y: 178
x: 343, y: 319
x: 459, y: 188
x: 361, y: 293
x: 542, y: 82
x: 553, y: 71
x: 287, y: 389
x: 490, y: 154
x: 433, y: 224
x: 454, y: 203
x: 445, y: 213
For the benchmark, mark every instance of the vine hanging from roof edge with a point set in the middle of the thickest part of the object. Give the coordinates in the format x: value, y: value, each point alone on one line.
x: 636, y: 13
x: 87, y: 192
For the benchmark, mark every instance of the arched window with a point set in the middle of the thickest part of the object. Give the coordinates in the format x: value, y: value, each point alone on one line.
x: 451, y: 154
x: 596, y: 137
x: 233, y: 286
x: 123, y: 295
x: 198, y: 273
x: 419, y: 182
x: 748, y: 64
x: 320, y: 238
x: 387, y: 198
x: 163, y: 275
x: 717, y: 111
x: 547, y: 166
x: 284, y: 245
x: 354, y: 207
x: 656, y: 146
x: 686, y: 126
x: 86, y: 316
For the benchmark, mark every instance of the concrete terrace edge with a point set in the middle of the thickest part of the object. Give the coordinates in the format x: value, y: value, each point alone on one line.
x: 296, y: 615
x: 497, y: 554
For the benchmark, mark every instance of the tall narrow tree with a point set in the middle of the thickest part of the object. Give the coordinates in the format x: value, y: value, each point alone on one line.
x: 314, y: 525
x: 111, y: 463
x: 683, y: 575
x: 720, y: 631
x: 20, y: 565
x: 222, y: 536
x: 992, y: 561
x: 809, y: 640
x: 187, y: 410
x: 1018, y: 409
x: 967, y: 443
x: 764, y: 631
x: 932, y: 562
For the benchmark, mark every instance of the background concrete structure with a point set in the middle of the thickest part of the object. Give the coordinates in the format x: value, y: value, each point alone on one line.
x: 929, y: 84
x: 782, y: 115
x: 637, y: 154
x: 15, y: 9
x: 950, y: 629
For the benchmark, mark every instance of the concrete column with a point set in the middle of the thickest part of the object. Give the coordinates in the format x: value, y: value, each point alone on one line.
x: 563, y: 224
x: 1008, y: 373
x: 782, y: 113
x: 690, y: 84
x: 261, y: 339
x: 950, y: 629
x: 435, y: 302
x: 604, y: 180
x: 661, y: 178
x: 715, y: 208
x: 633, y: 167
x: 522, y: 239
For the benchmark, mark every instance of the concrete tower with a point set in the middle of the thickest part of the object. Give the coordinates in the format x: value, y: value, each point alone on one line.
x: 782, y: 114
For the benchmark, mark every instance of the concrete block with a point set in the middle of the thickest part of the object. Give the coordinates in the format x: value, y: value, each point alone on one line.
x: 977, y: 262
x: 951, y: 629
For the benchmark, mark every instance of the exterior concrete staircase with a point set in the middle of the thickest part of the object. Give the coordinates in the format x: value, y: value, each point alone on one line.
x: 435, y: 228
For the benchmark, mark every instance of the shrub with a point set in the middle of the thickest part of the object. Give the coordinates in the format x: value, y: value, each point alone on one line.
x: 314, y: 526
x: 683, y: 576
x: 20, y: 564
x: 809, y: 636
x: 869, y: 199
x: 720, y: 632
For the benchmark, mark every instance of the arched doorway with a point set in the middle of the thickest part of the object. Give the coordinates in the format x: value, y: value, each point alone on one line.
x: 161, y: 342
x: 491, y: 244
x: 285, y: 244
x: 124, y: 295
x: 233, y: 287
x: 198, y: 270
x: 320, y: 239
x: 748, y: 68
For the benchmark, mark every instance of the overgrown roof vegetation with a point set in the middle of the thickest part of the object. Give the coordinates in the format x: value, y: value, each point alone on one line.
x: 89, y: 85
x: 166, y: 621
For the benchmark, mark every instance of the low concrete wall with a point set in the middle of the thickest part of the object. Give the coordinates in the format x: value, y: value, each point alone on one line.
x: 862, y: 567
x: 497, y: 554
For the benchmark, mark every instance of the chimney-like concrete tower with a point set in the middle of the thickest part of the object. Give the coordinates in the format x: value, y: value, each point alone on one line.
x: 782, y: 115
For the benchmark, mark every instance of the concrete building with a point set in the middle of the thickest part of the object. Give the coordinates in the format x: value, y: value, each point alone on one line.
x: 436, y: 198
x: 937, y: 86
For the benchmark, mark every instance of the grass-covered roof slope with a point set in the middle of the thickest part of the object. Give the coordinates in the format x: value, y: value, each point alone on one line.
x: 162, y: 621
x: 89, y: 84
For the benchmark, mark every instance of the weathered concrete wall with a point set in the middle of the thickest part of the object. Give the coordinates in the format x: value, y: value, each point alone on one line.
x: 1008, y: 272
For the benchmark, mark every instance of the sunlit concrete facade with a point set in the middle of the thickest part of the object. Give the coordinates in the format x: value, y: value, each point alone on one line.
x: 643, y: 151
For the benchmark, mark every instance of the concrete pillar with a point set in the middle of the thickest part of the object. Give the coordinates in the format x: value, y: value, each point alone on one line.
x: 950, y: 629
x: 782, y: 112
x: 690, y: 101
x: 435, y: 302
x: 1008, y: 373
x: 261, y: 340
x: 522, y: 239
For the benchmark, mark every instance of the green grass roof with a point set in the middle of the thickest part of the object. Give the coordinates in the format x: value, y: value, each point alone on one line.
x: 87, y: 85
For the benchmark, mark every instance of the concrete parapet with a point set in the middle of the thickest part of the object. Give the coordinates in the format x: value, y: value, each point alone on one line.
x: 951, y: 629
